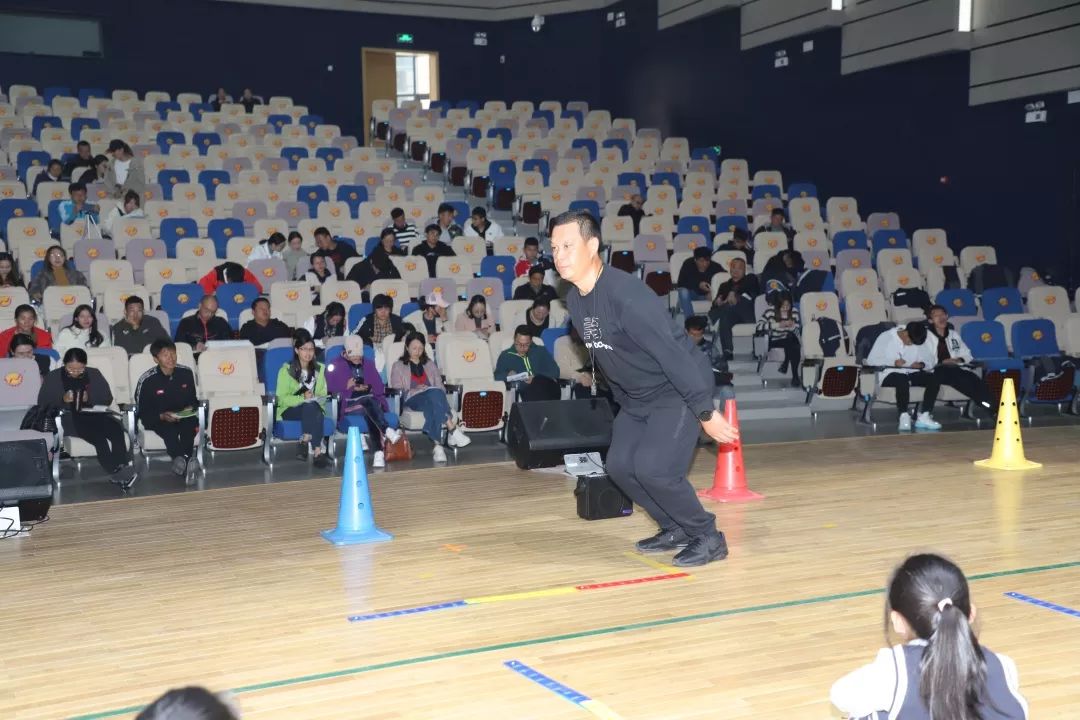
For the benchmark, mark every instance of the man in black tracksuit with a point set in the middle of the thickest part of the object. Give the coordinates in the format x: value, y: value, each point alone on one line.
x: 160, y: 394
x: 663, y: 385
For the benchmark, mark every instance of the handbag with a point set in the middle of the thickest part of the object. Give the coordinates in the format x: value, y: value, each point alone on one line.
x: 93, y: 230
x: 401, y: 450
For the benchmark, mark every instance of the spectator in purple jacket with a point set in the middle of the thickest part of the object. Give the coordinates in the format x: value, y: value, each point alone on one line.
x: 361, y: 394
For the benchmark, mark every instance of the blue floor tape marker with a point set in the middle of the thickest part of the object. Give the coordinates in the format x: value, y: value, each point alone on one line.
x: 407, y: 611
x: 1043, y: 604
x: 581, y: 700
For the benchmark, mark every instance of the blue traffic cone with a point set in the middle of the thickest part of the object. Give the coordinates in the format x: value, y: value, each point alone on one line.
x: 356, y: 523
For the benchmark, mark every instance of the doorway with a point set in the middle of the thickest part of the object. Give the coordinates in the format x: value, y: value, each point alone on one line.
x: 399, y: 75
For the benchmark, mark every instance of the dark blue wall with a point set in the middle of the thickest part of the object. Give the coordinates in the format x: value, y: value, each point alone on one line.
x: 887, y: 136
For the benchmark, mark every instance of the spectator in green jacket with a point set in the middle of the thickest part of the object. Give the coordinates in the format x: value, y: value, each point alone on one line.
x: 301, y: 392
x: 530, y: 368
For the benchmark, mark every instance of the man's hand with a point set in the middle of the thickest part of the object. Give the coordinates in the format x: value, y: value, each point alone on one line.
x: 169, y: 417
x: 351, y: 384
x: 900, y: 362
x: 584, y: 379
x: 731, y: 298
x: 308, y: 395
x: 528, y: 379
x: 950, y: 361
x: 703, y: 287
x: 719, y: 429
x: 362, y: 388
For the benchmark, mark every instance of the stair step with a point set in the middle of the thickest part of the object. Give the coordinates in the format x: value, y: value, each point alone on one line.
x: 774, y: 413
x: 790, y: 395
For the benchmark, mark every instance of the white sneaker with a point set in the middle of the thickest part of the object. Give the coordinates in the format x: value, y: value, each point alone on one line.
x: 458, y: 438
x: 438, y: 454
x: 393, y: 435
x: 925, y: 422
x: 379, y: 460
x: 905, y: 423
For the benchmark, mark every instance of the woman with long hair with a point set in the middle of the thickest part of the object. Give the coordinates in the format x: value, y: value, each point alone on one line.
x: 82, y: 332
x: 939, y: 669
x: 476, y: 318
x: 74, y: 389
x: 57, y: 271
x: 420, y: 383
x: 9, y: 271
x: 301, y: 392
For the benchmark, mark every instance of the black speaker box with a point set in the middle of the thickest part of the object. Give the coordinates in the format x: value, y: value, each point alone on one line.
x: 598, y: 498
x: 539, y: 433
x: 26, y: 477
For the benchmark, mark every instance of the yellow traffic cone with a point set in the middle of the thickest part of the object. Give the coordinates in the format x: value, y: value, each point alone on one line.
x: 1008, y: 452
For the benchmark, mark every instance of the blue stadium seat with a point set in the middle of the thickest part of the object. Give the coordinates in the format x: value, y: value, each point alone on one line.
x: 210, y: 179
x: 545, y: 115
x: 353, y: 195
x: 728, y: 223
x: 619, y: 143
x: 549, y: 336
x: 588, y: 144
x: 173, y: 230
x: 590, y: 206
x: 221, y: 230
x: 632, y: 178
x: 197, y: 110
x: 1034, y: 338
x: 279, y: 121
x: 667, y: 178
x: 802, y: 190
x: 164, y: 107
x: 502, y: 134
x: 986, y: 340
x: 704, y: 153
x: 312, y: 195
x: 849, y: 240
x: 80, y: 124
x: 471, y: 105
x: 539, y: 165
x: 28, y: 159
x: 235, y: 298
x: 167, y: 178
x: 44, y: 122
x: 500, y: 266
x: 178, y: 298
x: 764, y: 192
x: 470, y: 134
x: 53, y: 217
x: 51, y: 93
x: 294, y: 154
x: 15, y: 208
x: 357, y: 313
x: 168, y: 138
x: 311, y: 121
x: 889, y: 240
x: 440, y: 106
x: 999, y: 301
x: 693, y: 224
x: 205, y: 141
x: 330, y: 155
x: 575, y: 115
x: 462, y: 211
x: 86, y: 93
x: 959, y: 302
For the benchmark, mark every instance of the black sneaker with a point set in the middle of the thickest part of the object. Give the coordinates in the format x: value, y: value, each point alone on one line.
x: 702, y: 549
x: 302, y: 450
x: 321, y: 461
x: 783, y: 368
x: 664, y: 541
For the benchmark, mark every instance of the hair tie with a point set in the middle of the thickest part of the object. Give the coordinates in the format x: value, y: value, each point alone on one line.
x: 943, y: 604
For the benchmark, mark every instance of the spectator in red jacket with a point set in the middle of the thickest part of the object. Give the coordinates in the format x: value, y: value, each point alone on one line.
x: 25, y: 319
x: 228, y: 272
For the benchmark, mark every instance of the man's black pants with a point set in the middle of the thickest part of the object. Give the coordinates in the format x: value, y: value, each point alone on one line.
x: 964, y: 381
x: 649, y: 458
x: 179, y: 437
x: 726, y: 317
x: 903, y: 382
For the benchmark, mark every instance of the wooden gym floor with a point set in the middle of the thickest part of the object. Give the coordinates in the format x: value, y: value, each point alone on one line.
x: 111, y: 603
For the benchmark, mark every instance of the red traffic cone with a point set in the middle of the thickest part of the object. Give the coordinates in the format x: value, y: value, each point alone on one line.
x: 729, y: 480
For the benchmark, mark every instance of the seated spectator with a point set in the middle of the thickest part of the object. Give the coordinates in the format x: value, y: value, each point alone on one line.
x: 432, y: 248
x: 781, y: 273
x: 532, y: 257
x: 695, y: 278
x: 76, y: 207
x: 782, y: 325
x: 25, y: 323
x: 165, y: 404
x: 530, y: 366
x: 381, y: 322
x: 740, y: 241
x: 330, y: 323
x: 952, y: 354
x: 433, y: 312
x: 476, y: 318
x: 292, y: 255
x: 189, y: 703
x: 538, y: 317
x: 405, y: 233
x: 482, y: 227
x: 777, y: 223
x: 52, y: 173
x: 268, y: 249
x: 301, y: 393
x: 734, y: 304
x: 228, y: 272
x: 695, y: 326
x: 130, y: 209
x: 9, y: 271
x: 22, y: 346
x: 360, y: 391
x: 262, y: 328
x: 378, y: 265
x: 249, y: 101
x: 74, y: 388
x: 420, y: 383
x: 57, y: 272
x: 635, y: 211
x: 220, y: 98
x: 535, y: 288
x: 448, y: 229
x: 95, y: 173
x: 338, y: 252
x: 203, y: 326
x: 904, y: 359
x: 84, y: 158
x: 318, y: 274
x: 125, y: 171
x: 136, y: 331
x: 82, y: 333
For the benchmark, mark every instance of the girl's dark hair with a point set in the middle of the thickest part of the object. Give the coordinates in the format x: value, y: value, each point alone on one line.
x: 18, y: 340
x: 274, y: 239
x: 75, y: 355
x: 15, y: 277
x: 49, y: 251
x: 190, y: 703
x: 408, y: 341
x: 295, y: 233
x: 300, y: 338
x: 932, y: 595
x: 95, y: 336
x: 472, y: 301
x: 130, y: 196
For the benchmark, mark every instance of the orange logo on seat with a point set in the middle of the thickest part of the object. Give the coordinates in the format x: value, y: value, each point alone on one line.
x: 92, y: 252
x: 867, y: 304
x: 246, y: 249
x: 489, y: 291
x: 846, y: 223
x: 342, y: 295
x: 810, y: 225
x: 468, y: 356
x: 816, y: 262
x: 13, y: 379
x: 334, y: 212
x: 1050, y: 300
x: 112, y: 273
x: 183, y: 297
x: 860, y: 280
x: 5, y: 300
x: 932, y: 240
x: 884, y: 222
x: 68, y: 299
x: 165, y: 273
x: 985, y: 337
x: 148, y: 252
x: 198, y: 251
x: 938, y: 259
x: 250, y: 212
x: 500, y: 267
x: 29, y: 231
x: 455, y: 268
x: 1034, y: 275
x: 391, y: 293
x: 903, y: 280
x: 410, y: 265
x: 856, y: 263
x: 957, y: 302
x: 292, y: 295
x: 233, y: 194
x: 215, y: 181
x: 226, y: 368
x: 897, y: 260
x: 18, y: 212
x: 1003, y: 301
x: 39, y: 252
x: 1037, y: 335
x: 811, y: 242
x: 773, y: 242
x: 268, y: 272
x: 980, y: 258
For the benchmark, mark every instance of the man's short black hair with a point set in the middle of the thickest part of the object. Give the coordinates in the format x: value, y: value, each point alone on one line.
x: 133, y: 300
x: 586, y: 223
x: 916, y: 330
x: 696, y: 322
x: 382, y: 301
x: 479, y: 211
x: 542, y: 302
x: 740, y: 234
x: 322, y: 231
x: 25, y: 308
x: 522, y: 330
x: 778, y: 211
x: 532, y: 242
x: 433, y: 227
x: 82, y: 143
x: 446, y: 207
x: 536, y: 270
x: 161, y: 344
x: 932, y: 308
x: 75, y: 187
x: 397, y: 213
x: 387, y: 231
x: 258, y: 300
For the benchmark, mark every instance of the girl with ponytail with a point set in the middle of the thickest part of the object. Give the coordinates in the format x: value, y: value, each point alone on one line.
x: 939, y: 671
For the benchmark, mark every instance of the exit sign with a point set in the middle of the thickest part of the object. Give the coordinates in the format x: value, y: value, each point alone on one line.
x: 405, y: 38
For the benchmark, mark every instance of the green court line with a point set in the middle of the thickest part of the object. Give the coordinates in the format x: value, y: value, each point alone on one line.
x: 577, y: 635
